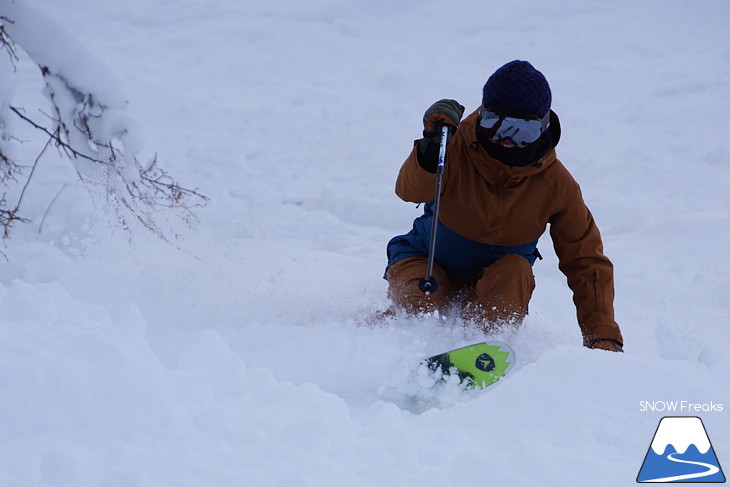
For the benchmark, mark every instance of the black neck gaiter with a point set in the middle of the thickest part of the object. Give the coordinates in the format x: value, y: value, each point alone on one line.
x: 521, y: 156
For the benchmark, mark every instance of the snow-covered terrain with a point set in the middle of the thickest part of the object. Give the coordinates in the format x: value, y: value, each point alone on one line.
x: 244, y: 357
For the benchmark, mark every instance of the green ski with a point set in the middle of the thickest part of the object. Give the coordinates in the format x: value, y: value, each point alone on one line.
x: 480, y: 365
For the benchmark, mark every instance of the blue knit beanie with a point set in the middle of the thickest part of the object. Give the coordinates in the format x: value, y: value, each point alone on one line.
x: 518, y: 87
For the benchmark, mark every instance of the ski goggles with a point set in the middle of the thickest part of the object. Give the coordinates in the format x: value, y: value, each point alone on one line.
x: 520, y: 129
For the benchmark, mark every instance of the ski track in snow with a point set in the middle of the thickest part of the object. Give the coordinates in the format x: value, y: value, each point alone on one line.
x: 246, y: 357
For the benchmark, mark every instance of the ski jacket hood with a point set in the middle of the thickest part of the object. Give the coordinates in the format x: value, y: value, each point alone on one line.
x: 499, y: 172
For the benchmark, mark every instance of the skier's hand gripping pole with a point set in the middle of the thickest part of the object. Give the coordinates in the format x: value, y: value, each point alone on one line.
x: 429, y: 284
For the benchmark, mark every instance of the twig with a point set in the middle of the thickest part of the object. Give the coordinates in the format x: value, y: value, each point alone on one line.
x: 143, y: 193
x: 56, y: 137
x: 6, y: 42
x: 32, y: 172
x: 8, y: 169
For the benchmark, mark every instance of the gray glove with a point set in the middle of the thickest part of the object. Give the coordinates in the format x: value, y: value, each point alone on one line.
x: 443, y: 112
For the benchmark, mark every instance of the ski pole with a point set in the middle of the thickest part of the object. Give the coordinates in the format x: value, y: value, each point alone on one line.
x: 429, y: 284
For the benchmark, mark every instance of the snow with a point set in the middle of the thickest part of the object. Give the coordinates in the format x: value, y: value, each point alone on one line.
x: 66, y: 56
x: 245, y: 356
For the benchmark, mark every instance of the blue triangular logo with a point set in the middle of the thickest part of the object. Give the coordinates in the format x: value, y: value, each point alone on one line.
x: 681, y: 452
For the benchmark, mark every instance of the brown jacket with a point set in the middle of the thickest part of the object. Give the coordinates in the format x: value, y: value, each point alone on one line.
x: 489, y: 202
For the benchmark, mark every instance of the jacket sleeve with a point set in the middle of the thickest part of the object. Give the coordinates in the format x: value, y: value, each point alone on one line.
x: 415, y: 184
x: 579, y: 248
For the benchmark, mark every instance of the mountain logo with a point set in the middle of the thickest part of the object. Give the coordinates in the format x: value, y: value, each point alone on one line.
x: 485, y: 362
x: 680, y: 452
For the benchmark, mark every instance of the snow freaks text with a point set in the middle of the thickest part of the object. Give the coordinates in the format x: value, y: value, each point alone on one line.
x: 680, y: 407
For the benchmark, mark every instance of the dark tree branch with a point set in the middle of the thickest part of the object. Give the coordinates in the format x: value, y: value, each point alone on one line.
x: 11, y: 216
x: 8, y: 170
x: 55, y: 136
x: 5, y: 43
x: 80, y: 136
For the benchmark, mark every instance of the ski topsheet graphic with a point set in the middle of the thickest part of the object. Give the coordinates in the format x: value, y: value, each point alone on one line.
x: 681, y: 452
x: 479, y: 365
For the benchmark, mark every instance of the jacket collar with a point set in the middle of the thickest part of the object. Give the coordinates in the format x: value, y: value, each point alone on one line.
x: 493, y: 170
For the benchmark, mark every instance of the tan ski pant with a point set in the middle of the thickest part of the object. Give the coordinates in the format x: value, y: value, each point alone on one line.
x: 501, y: 293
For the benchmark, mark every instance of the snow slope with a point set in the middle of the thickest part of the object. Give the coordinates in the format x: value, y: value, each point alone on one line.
x: 245, y: 358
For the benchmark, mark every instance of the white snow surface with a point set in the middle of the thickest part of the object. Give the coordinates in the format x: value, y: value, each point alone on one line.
x: 245, y: 357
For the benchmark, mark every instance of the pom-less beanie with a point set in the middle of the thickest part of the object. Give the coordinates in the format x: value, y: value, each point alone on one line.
x: 518, y: 87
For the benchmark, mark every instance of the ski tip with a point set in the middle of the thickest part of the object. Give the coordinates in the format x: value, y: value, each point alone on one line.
x: 481, y: 364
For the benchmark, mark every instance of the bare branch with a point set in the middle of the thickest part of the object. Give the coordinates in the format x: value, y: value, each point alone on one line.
x: 8, y: 218
x: 163, y: 185
x: 78, y: 129
x: 55, y: 136
x: 6, y: 44
x: 8, y: 169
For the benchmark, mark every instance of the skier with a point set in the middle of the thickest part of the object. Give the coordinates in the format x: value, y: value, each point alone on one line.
x: 502, y: 185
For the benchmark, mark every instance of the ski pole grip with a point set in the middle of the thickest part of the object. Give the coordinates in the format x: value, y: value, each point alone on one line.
x: 442, y: 146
